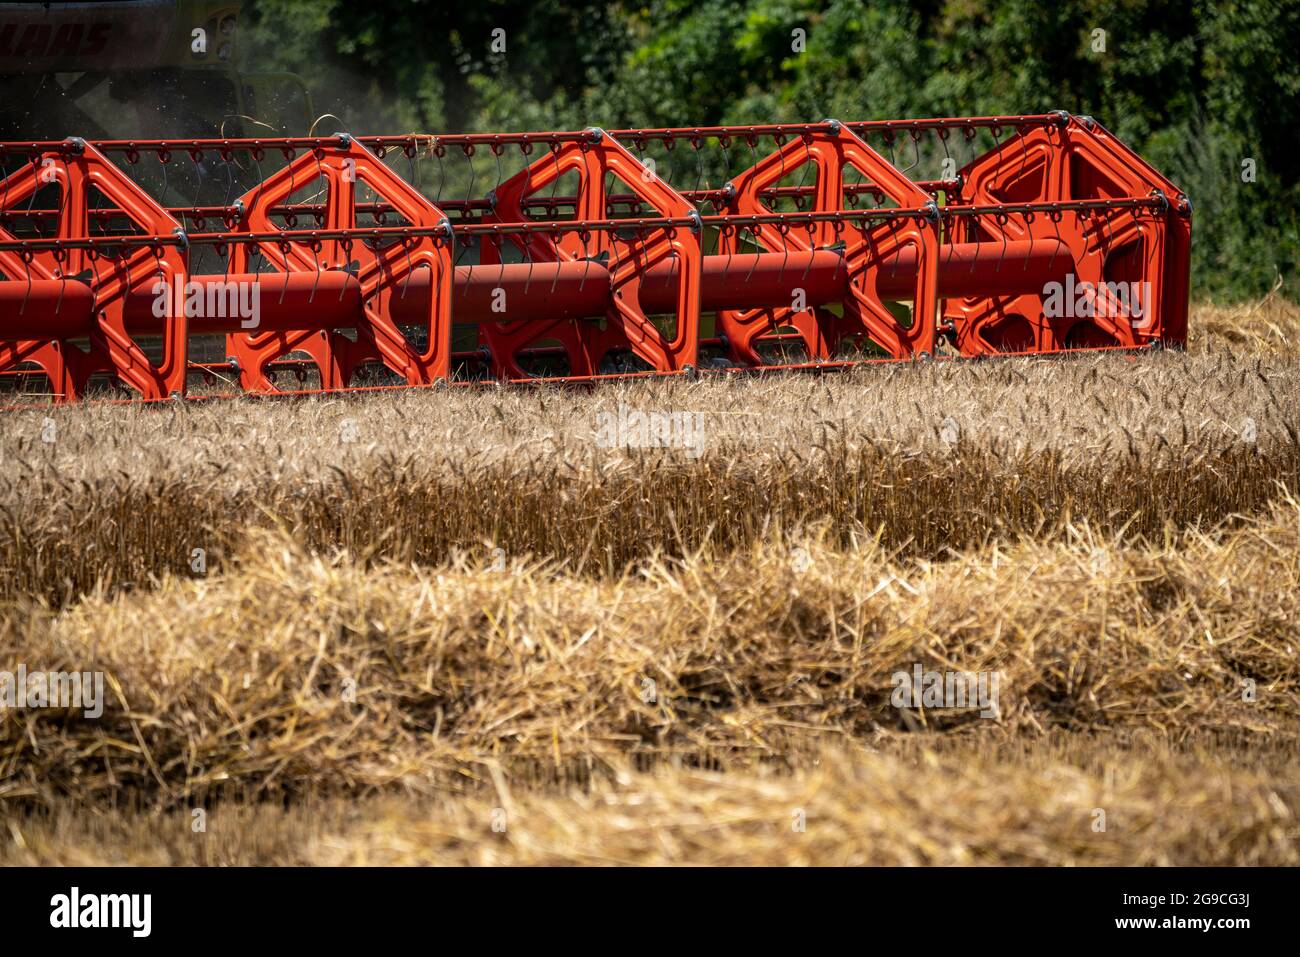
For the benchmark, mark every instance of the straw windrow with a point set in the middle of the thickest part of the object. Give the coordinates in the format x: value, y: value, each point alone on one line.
x: 301, y: 675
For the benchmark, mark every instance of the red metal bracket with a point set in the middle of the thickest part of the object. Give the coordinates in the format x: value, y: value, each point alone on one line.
x: 865, y: 250
x: 383, y: 270
x: 1073, y: 161
x: 78, y: 170
x: 626, y: 251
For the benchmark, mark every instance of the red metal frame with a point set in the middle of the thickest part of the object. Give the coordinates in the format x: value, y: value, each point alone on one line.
x: 631, y: 254
x: 1058, y: 163
x: 971, y: 256
x: 381, y: 273
x: 75, y: 169
x: 833, y: 151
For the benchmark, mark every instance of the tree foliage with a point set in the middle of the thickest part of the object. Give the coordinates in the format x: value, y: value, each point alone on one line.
x: 1198, y: 87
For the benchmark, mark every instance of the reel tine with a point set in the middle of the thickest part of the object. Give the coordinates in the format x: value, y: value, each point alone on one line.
x: 63, y: 279
x: 1002, y: 219
x: 468, y: 150
x: 916, y: 150
x: 754, y: 228
x: 699, y: 162
x: 345, y: 246
x: 893, y: 228
x: 439, y: 151
x: 27, y: 270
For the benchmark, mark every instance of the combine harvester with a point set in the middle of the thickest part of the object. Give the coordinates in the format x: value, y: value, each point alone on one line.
x: 324, y: 268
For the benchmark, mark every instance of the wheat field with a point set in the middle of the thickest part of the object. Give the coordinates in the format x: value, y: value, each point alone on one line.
x: 452, y: 626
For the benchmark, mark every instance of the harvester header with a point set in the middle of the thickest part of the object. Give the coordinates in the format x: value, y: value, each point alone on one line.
x: 332, y: 262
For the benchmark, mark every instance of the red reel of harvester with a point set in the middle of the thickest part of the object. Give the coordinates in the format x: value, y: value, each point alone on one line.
x: 1057, y: 237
